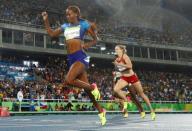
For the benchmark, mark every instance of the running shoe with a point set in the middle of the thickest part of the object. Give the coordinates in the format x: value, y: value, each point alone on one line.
x: 96, y: 92
x: 153, y: 115
x: 102, y: 117
x: 142, y: 114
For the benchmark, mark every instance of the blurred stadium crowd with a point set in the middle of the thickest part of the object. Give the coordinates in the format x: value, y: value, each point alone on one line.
x: 29, y: 13
x: 47, y: 81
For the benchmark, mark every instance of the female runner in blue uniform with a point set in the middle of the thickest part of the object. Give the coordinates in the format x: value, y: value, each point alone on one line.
x: 74, y: 31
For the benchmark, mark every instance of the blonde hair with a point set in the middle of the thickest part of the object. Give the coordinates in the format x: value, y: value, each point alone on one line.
x: 122, y: 47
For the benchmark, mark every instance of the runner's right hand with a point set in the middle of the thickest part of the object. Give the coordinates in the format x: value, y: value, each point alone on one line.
x: 45, y: 15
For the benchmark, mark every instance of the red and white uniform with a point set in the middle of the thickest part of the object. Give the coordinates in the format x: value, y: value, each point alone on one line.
x: 129, y: 79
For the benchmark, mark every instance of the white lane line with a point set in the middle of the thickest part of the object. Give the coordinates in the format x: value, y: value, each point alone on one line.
x: 150, y: 128
x: 37, y: 125
x: 55, y: 121
x: 21, y: 119
x: 69, y: 130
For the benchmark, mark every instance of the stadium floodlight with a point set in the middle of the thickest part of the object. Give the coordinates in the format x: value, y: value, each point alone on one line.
x: 103, y: 48
x: 92, y: 65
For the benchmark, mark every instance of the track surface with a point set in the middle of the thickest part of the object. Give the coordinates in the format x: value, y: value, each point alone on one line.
x: 164, y: 122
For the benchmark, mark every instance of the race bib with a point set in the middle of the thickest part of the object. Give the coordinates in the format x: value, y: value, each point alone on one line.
x: 72, y: 32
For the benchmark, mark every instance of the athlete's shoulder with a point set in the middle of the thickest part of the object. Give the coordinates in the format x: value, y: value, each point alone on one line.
x: 125, y: 56
x: 81, y: 20
x: 85, y: 23
x: 63, y: 26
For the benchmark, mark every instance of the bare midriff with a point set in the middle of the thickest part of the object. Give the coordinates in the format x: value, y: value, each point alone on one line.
x: 128, y: 73
x: 73, y: 45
